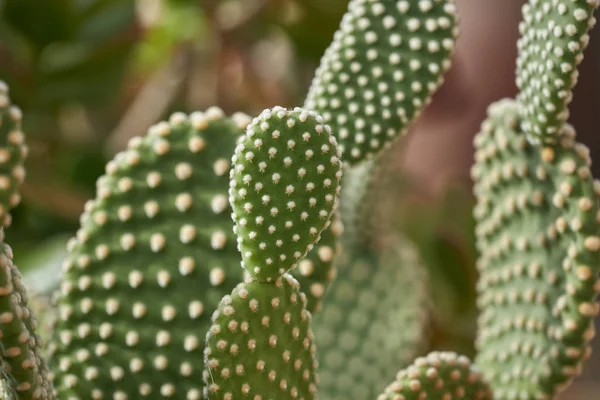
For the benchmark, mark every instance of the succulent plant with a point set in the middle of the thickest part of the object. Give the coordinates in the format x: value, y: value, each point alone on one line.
x: 175, y: 287
x: 539, y: 239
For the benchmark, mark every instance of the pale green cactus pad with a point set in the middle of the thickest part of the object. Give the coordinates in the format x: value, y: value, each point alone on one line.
x: 539, y: 237
x: 13, y: 152
x: 283, y: 189
x: 385, y: 62
x: 374, y: 315
x: 356, y: 203
x: 439, y: 376
x: 26, y: 373
x: 260, y: 345
x: 153, y: 258
x: 554, y: 34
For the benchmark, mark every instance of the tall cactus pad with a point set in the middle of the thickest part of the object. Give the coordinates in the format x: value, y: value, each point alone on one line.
x: 554, y: 34
x: 317, y: 270
x: 13, y: 152
x: 21, y: 363
x: 153, y: 258
x: 375, y: 315
x: 283, y: 189
x: 439, y: 376
x: 539, y: 237
x: 260, y: 345
x: 385, y: 62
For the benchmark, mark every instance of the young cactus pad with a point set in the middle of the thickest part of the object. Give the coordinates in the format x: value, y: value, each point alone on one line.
x: 24, y: 368
x: 375, y: 315
x: 385, y: 62
x: 283, y: 189
x: 154, y: 256
x: 439, y: 376
x: 13, y: 152
x: 554, y: 34
x: 260, y: 345
x: 539, y: 241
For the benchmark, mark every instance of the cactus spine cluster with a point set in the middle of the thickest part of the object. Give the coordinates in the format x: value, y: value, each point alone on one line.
x: 202, y: 268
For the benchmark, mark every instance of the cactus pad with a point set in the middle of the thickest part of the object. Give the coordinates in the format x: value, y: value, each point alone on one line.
x: 283, y: 189
x: 25, y: 370
x: 260, y: 345
x: 374, y: 315
x: 13, y: 152
x: 539, y: 239
x: 154, y: 256
x: 439, y: 376
x: 385, y: 62
x: 317, y: 270
x: 554, y: 34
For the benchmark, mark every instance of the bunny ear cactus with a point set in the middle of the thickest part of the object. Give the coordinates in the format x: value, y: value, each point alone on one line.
x: 539, y: 238
x: 554, y: 36
x: 154, y: 256
x: 438, y: 376
x: 385, y: 62
x: 284, y: 184
x: 13, y: 152
x: 25, y: 374
x: 375, y: 315
x: 283, y: 189
x: 260, y: 345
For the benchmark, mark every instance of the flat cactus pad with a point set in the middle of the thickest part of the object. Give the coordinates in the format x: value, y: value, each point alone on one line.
x: 554, y: 34
x: 260, y: 345
x: 539, y: 240
x: 13, y: 152
x: 283, y: 189
x: 374, y: 315
x: 385, y: 62
x: 438, y: 376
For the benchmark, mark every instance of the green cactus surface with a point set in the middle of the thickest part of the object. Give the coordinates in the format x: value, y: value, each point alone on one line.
x: 317, y: 270
x: 260, y: 345
x: 385, y: 62
x: 539, y: 240
x: 374, y: 315
x: 554, y: 34
x: 153, y: 258
x: 283, y: 189
x: 438, y: 376
x: 24, y: 370
x: 13, y: 152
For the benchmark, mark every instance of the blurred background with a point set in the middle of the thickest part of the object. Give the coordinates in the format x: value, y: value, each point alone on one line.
x: 90, y: 74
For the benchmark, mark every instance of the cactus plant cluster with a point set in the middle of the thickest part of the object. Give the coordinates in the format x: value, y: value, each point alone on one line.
x: 213, y: 263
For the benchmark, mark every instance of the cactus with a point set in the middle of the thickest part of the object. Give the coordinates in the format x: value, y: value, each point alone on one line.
x: 276, y: 227
x: 376, y: 293
x: 13, y: 152
x: 554, y: 35
x: 282, y: 182
x: 385, y: 62
x: 156, y: 253
x: 539, y: 240
x: 260, y: 345
x: 438, y: 376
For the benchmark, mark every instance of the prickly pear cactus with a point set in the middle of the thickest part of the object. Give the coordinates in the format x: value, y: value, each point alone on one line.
x: 283, y: 188
x: 25, y: 370
x: 539, y: 238
x: 385, y: 62
x: 154, y: 256
x: 13, y: 152
x: 438, y: 376
x: 375, y: 314
x: 260, y: 345
x: 554, y: 34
